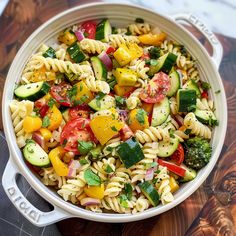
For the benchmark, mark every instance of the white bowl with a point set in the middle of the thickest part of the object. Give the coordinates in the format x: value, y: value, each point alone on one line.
x: 119, y: 15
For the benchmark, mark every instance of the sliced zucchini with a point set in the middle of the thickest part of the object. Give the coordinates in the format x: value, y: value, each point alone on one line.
x: 75, y: 53
x: 191, y: 84
x: 206, y: 117
x: 103, y: 30
x: 164, y: 63
x: 190, y: 174
x: 103, y: 103
x: 32, y: 91
x: 174, y: 83
x: 149, y: 192
x: 35, y: 155
x: 167, y: 148
x: 50, y: 52
x: 99, y: 68
x: 186, y: 100
x: 130, y: 152
x: 160, y: 112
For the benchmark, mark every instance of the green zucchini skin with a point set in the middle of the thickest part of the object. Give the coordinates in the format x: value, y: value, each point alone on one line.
x: 32, y: 91
x: 130, y: 152
x: 103, y: 31
x: 175, y: 83
x: 99, y: 68
x: 186, y: 100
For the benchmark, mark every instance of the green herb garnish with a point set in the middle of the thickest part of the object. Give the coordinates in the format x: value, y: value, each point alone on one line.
x: 205, y: 85
x: 84, y: 147
x: 140, y: 116
x: 139, y: 20
x: 46, y: 122
x: 91, y: 178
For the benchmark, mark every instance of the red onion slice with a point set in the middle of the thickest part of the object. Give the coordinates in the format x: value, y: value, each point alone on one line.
x: 38, y: 138
x: 149, y: 174
x: 179, y: 119
x: 79, y: 35
x: 138, y: 189
x: 88, y: 201
x: 106, y: 60
x: 73, y: 167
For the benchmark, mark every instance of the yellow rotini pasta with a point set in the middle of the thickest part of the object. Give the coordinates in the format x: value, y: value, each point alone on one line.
x: 93, y: 46
x: 117, y: 39
x: 139, y: 28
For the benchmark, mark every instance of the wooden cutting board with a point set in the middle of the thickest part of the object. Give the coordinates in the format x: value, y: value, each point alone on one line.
x: 211, y: 210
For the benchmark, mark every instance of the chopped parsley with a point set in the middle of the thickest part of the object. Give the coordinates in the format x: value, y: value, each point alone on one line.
x: 83, y: 161
x: 154, y: 52
x: 218, y: 91
x: 114, y: 128
x: 140, y: 116
x: 91, y: 178
x: 72, y: 92
x: 114, y: 30
x: 128, y: 32
x: 205, y: 85
x: 84, y: 147
x: 128, y: 190
x: 46, y: 122
x: 123, y: 201
x: 119, y: 100
x: 51, y: 102
x: 109, y: 169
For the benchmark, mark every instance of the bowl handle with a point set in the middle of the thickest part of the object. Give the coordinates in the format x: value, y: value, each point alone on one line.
x: 212, y: 39
x: 34, y: 215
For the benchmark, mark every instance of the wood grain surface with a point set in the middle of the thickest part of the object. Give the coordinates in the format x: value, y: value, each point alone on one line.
x: 211, y: 210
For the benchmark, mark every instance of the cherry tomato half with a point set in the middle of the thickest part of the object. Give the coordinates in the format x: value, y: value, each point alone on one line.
x: 81, y: 111
x: 178, y: 155
x: 204, y: 94
x: 74, y: 130
x: 59, y: 93
x: 89, y: 28
x: 156, y: 89
x: 110, y: 50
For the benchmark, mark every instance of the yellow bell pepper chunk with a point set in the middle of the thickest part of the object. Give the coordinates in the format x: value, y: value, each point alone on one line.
x: 135, y: 51
x: 95, y: 191
x: 138, y: 120
x: 173, y: 184
x: 46, y: 133
x: 67, y: 37
x: 152, y: 39
x: 31, y: 124
x: 125, y: 77
x: 42, y: 75
x: 55, y: 118
x: 122, y: 55
x: 83, y: 92
x: 122, y: 90
x: 60, y: 167
x: 105, y: 127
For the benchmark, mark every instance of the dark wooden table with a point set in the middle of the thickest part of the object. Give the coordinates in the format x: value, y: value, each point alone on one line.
x: 211, y: 210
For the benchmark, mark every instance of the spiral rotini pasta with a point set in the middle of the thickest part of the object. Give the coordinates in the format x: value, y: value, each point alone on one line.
x: 152, y: 134
x: 93, y: 46
x: 196, y: 127
x: 139, y: 67
x: 56, y: 65
x: 133, y: 101
x: 141, y: 204
x: 204, y: 104
x: 117, y: 39
x: 139, y: 28
x: 116, y: 182
x: 97, y: 85
x: 19, y: 110
x: 73, y: 188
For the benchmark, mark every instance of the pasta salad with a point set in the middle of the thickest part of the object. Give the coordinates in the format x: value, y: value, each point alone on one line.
x: 114, y: 119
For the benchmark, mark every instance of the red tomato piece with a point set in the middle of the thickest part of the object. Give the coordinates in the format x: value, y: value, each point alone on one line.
x: 40, y: 103
x: 43, y: 110
x: 89, y: 29
x: 145, y: 56
x: 204, y: 94
x: 172, y: 167
x: 110, y: 50
x: 126, y: 133
x: 74, y: 130
x: 82, y: 111
x: 59, y: 93
x: 178, y: 155
x: 156, y: 89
